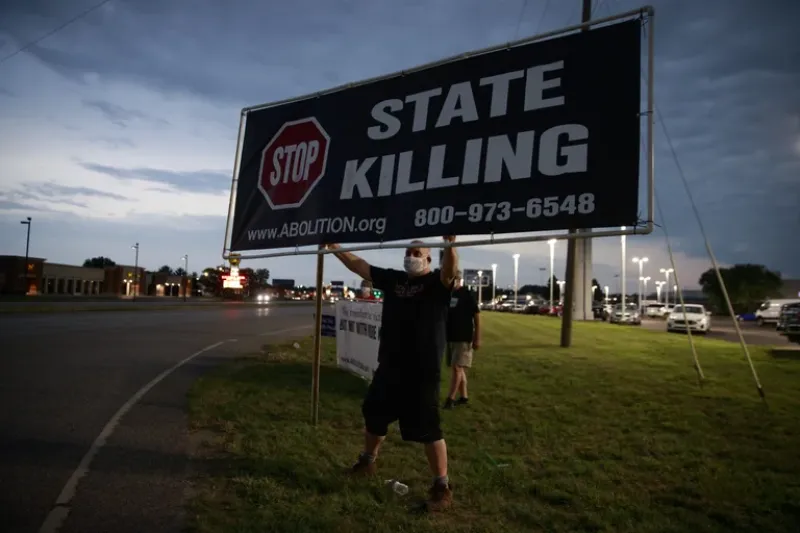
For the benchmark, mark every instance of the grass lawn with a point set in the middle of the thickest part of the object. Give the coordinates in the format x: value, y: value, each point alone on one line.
x: 611, y: 435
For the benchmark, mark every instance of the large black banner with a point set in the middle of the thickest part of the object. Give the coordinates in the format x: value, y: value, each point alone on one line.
x: 538, y: 137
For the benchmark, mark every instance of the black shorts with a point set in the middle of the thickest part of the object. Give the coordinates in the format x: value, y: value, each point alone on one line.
x: 404, y: 398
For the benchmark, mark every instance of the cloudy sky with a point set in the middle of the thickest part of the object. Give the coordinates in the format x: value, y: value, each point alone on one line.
x: 121, y: 127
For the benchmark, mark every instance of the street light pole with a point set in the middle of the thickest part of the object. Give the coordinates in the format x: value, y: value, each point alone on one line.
x: 624, y: 265
x: 667, y: 272
x: 516, y: 280
x: 552, y: 243
x: 494, y: 281
x: 135, y: 271
x: 605, y: 290
x: 659, y: 284
x: 185, y: 274
x: 645, y: 280
x: 27, y: 222
x: 641, y: 262
x: 480, y: 286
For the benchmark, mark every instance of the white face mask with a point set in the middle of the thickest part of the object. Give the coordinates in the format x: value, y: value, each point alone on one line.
x: 413, y: 265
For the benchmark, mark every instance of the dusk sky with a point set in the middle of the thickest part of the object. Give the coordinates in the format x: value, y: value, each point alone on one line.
x: 121, y: 127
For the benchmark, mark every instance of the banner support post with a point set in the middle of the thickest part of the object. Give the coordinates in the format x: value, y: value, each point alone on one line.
x: 317, y: 343
x: 571, y: 274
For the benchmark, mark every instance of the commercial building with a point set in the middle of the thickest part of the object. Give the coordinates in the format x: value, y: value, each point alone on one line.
x: 40, y: 277
x: 161, y: 284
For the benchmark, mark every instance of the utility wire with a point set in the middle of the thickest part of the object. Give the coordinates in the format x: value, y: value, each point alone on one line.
x: 519, y: 19
x: 54, y: 31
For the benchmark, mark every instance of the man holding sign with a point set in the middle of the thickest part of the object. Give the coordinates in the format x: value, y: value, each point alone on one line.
x: 405, y: 387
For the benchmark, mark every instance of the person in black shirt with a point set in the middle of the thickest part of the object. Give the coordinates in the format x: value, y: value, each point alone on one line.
x: 405, y: 387
x: 463, y: 336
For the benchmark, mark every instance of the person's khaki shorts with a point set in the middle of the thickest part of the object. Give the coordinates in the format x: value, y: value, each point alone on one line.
x: 459, y: 353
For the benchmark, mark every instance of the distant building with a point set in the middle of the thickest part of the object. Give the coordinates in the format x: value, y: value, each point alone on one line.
x: 41, y: 277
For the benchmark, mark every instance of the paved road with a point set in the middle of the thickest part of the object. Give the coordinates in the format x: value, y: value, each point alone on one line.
x: 64, y: 376
x: 722, y: 328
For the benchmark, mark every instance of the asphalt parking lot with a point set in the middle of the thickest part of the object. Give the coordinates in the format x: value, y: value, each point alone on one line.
x: 722, y: 328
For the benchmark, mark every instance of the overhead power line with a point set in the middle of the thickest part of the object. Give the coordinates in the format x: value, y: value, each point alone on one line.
x: 54, y: 31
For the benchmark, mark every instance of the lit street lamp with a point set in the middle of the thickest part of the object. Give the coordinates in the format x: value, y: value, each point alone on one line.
x: 624, y: 265
x: 659, y: 284
x: 605, y: 290
x: 667, y: 272
x: 641, y: 262
x: 644, y: 281
x: 135, y: 271
x: 561, y: 292
x: 516, y: 279
x: 185, y: 274
x: 552, y: 243
x: 494, y: 281
x: 480, y: 285
x: 27, y: 222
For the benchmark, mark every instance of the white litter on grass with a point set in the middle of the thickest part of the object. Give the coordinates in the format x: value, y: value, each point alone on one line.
x: 296, y: 346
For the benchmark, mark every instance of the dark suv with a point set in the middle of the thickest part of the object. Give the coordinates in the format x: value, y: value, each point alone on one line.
x: 789, y: 322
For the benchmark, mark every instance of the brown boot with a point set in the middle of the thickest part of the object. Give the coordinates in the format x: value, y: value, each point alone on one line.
x: 363, y: 468
x: 440, y: 497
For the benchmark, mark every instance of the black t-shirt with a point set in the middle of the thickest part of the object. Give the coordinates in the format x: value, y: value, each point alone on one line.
x: 460, y: 316
x: 414, y: 321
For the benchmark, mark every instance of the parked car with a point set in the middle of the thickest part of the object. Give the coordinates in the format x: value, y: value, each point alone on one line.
x: 598, y: 311
x: 656, y: 311
x: 789, y: 322
x: 630, y: 315
x: 770, y: 310
x: 533, y: 307
x: 556, y: 310
x: 262, y: 298
x: 692, y: 317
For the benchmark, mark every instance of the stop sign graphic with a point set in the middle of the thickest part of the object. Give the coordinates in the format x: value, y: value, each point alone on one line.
x: 293, y: 162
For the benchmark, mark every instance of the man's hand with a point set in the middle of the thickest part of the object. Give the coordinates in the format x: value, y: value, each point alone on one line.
x: 476, y: 343
x: 449, y: 238
x: 332, y: 246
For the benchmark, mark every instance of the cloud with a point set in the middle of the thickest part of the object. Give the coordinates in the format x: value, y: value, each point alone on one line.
x: 10, y: 205
x: 115, y: 143
x: 53, y: 190
x: 197, y: 181
x: 121, y: 116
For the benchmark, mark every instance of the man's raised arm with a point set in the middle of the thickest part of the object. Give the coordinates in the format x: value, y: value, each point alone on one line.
x: 352, y: 262
x: 449, y: 263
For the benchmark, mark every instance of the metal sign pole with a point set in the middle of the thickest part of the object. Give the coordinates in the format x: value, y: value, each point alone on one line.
x: 571, y: 274
x: 317, y: 343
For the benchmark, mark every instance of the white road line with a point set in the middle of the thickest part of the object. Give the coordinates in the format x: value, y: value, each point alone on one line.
x: 57, y: 515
